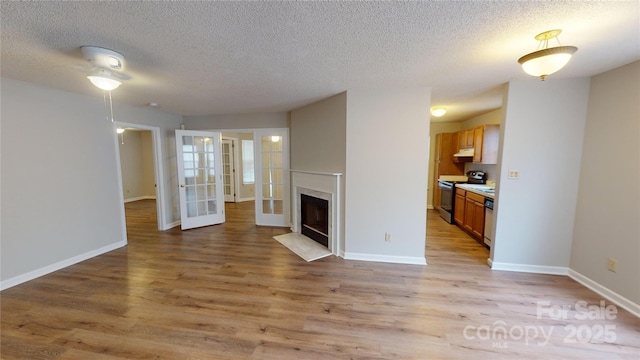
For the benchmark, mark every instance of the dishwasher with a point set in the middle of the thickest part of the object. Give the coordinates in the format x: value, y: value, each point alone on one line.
x: 489, y: 231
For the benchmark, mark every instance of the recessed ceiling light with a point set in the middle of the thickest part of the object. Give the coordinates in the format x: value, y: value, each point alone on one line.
x: 154, y: 104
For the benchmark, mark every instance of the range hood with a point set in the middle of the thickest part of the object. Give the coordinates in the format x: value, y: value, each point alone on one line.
x: 464, y: 153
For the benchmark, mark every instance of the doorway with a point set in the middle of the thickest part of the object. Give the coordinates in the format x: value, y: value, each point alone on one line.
x: 139, y: 167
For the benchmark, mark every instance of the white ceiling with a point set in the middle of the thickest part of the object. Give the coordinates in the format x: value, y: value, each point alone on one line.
x: 205, y: 58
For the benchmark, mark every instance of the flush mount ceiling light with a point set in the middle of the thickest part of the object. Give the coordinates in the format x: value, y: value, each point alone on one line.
x: 438, y: 111
x: 548, y: 60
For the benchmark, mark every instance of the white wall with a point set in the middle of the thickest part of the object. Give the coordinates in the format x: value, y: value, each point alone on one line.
x: 384, y: 193
x: 541, y: 137
x: 608, y: 209
x: 237, y: 121
x: 61, y: 201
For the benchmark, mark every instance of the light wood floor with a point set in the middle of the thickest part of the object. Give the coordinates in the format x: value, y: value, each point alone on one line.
x: 232, y: 292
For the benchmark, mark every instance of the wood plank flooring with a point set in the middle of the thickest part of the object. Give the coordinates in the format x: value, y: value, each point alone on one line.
x: 232, y: 292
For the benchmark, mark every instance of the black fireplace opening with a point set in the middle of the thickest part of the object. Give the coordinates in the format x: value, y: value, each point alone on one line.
x: 315, y: 218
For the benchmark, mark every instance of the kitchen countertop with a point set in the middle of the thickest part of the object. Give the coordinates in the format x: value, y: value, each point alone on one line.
x: 474, y: 189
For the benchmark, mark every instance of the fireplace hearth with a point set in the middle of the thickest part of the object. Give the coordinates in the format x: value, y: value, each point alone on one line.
x: 315, y: 218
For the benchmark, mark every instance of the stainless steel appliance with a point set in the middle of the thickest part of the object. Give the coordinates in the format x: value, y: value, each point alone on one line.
x: 448, y: 192
x: 489, y: 231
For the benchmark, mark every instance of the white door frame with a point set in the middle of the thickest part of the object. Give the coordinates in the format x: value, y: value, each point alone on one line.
x: 236, y: 182
x: 157, y: 169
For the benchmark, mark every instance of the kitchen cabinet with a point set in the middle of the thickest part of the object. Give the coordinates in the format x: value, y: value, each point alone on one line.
x: 458, y: 209
x: 466, y: 139
x: 485, y: 144
x: 469, y: 213
x: 474, y: 215
x: 444, y: 162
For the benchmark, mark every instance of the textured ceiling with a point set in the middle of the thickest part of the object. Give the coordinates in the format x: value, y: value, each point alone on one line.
x: 203, y: 58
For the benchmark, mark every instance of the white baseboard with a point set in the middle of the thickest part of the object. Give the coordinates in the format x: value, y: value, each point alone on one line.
x: 139, y: 198
x: 607, y: 293
x: 385, y: 258
x: 245, y: 199
x: 16, y: 280
x: 536, y: 269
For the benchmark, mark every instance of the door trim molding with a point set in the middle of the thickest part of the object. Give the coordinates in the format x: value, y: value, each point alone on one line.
x: 158, y: 171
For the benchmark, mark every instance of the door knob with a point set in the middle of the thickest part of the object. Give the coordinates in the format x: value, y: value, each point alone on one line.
x: 181, y: 185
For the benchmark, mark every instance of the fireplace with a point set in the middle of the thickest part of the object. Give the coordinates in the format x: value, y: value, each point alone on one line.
x: 314, y: 218
x: 325, y: 187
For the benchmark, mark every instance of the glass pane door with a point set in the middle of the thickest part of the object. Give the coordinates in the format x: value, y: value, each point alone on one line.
x: 272, y: 177
x: 199, y: 173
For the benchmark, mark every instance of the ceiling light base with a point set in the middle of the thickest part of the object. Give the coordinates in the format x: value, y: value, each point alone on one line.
x: 103, y: 58
x: 550, y: 34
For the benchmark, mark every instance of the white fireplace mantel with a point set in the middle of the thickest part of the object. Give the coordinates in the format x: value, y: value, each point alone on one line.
x: 326, y: 185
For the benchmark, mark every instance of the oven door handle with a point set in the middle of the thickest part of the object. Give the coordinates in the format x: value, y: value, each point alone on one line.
x: 445, y: 186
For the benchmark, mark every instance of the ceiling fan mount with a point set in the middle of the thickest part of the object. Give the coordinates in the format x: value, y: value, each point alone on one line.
x: 104, y: 62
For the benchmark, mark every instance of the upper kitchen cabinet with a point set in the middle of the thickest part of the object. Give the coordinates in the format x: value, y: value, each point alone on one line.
x: 466, y: 139
x: 486, y: 139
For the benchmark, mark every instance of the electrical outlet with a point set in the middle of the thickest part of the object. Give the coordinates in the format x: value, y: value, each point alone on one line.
x: 514, y: 174
x: 612, y: 265
x: 387, y: 237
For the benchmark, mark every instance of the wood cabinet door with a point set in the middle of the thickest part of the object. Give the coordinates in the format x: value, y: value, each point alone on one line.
x: 478, y: 137
x: 458, y: 211
x: 477, y: 225
x: 469, y: 213
x: 469, y: 135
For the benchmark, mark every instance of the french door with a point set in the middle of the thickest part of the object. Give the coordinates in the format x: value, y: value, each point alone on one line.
x: 229, y: 169
x: 200, y: 178
x: 271, y: 154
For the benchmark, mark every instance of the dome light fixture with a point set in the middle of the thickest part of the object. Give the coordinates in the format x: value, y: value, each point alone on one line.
x: 104, y: 80
x: 438, y: 111
x: 547, y: 61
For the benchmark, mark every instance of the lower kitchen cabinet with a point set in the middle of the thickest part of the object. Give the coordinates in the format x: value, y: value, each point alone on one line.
x: 458, y: 209
x: 469, y: 213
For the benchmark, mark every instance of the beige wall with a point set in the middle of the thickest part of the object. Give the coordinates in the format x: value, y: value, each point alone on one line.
x: 318, y: 135
x: 318, y: 140
x: 608, y: 208
x: 136, y: 163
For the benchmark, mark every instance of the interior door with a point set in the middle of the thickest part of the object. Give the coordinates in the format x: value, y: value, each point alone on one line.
x: 229, y: 170
x: 200, y: 178
x: 272, y: 177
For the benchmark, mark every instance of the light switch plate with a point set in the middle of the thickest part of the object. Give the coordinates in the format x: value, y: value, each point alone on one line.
x: 514, y: 175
